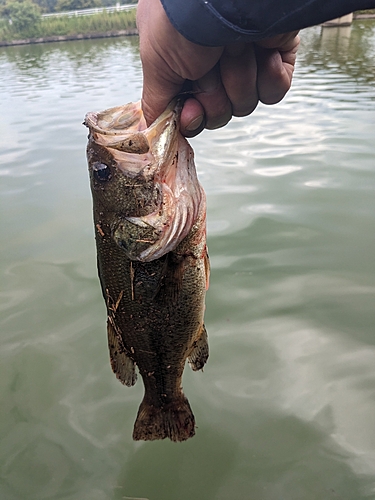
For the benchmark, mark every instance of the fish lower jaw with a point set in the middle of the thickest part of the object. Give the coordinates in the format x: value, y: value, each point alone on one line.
x: 172, y: 223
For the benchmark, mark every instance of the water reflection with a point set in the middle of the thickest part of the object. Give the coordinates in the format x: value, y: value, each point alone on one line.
x: 346, y: 50
x: 40, y: 61
x: 350, y: 49
x: 182, y: 473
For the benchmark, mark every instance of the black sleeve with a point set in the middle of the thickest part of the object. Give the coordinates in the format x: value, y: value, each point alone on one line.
x: 221, y: 22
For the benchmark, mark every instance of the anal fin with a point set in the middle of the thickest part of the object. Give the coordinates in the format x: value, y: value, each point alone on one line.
x: 123, y: 367
x: 199, y: 355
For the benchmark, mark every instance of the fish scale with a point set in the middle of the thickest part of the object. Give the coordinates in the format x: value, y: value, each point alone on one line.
x: 155, y: 306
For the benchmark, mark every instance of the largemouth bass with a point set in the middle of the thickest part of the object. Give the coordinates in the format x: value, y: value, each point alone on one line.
x: 150, y: 225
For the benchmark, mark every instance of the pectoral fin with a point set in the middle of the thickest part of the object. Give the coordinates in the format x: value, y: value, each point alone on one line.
x: 123, y: 367
x: 199, y: 354
x: 170, y: 279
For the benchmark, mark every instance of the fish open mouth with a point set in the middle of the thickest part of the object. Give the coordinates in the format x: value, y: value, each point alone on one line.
x: 160, y: 153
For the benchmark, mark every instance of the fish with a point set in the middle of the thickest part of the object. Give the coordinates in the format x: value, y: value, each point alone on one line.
x: 149, y: 213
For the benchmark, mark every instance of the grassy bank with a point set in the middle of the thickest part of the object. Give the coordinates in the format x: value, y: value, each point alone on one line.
x: 364, y: 12
x: 70, y: 26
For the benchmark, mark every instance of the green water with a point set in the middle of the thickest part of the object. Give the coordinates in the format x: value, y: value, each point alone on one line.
x: 285, y: 408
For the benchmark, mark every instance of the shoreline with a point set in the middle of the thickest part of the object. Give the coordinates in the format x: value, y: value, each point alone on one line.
x: 65, y: 38
x: 108, y: 34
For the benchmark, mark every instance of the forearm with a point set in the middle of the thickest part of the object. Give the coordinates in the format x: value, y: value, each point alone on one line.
x: 223, y: 22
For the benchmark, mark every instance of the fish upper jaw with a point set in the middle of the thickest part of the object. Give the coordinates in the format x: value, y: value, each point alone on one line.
x: 117, y: 121
x: 136, y: 147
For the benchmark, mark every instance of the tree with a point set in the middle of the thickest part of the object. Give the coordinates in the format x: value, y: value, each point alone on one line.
x: 76, y: 4
x: 46, y: 5
x: 22, y: 14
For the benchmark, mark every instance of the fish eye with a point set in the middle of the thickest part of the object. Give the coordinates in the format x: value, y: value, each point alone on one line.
x: 101, y: 172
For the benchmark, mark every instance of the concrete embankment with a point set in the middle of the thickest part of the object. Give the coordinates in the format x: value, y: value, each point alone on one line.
x: 64, y: 38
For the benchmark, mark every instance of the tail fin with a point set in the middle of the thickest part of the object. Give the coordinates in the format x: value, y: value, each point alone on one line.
x: 174, y: 420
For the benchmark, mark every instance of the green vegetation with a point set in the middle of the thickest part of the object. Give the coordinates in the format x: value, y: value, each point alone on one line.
x: 368, y: 11
x: 47, y: 6
x: 62, y: 5
x: 26, y: 22
x: 20, y: 16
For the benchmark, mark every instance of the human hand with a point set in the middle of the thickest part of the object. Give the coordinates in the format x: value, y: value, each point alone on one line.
x: 225, y: 81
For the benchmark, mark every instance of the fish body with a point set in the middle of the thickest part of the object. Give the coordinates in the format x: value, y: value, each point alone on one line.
x: 150, y: 228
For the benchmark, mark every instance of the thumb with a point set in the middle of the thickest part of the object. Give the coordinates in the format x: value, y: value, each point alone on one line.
x: 160, y: 82
x: 168, y: 60
x: 159, y: 87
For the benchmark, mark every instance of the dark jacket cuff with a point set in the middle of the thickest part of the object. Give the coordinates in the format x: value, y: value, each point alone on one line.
x: 220, y: 22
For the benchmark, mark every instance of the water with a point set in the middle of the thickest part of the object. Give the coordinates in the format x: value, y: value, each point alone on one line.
x: 285, y: 408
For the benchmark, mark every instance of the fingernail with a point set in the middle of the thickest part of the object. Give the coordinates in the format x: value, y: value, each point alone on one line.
x: 194, y: 124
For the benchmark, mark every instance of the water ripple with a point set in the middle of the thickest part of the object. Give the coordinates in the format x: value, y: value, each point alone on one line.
x: 287, y: 395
